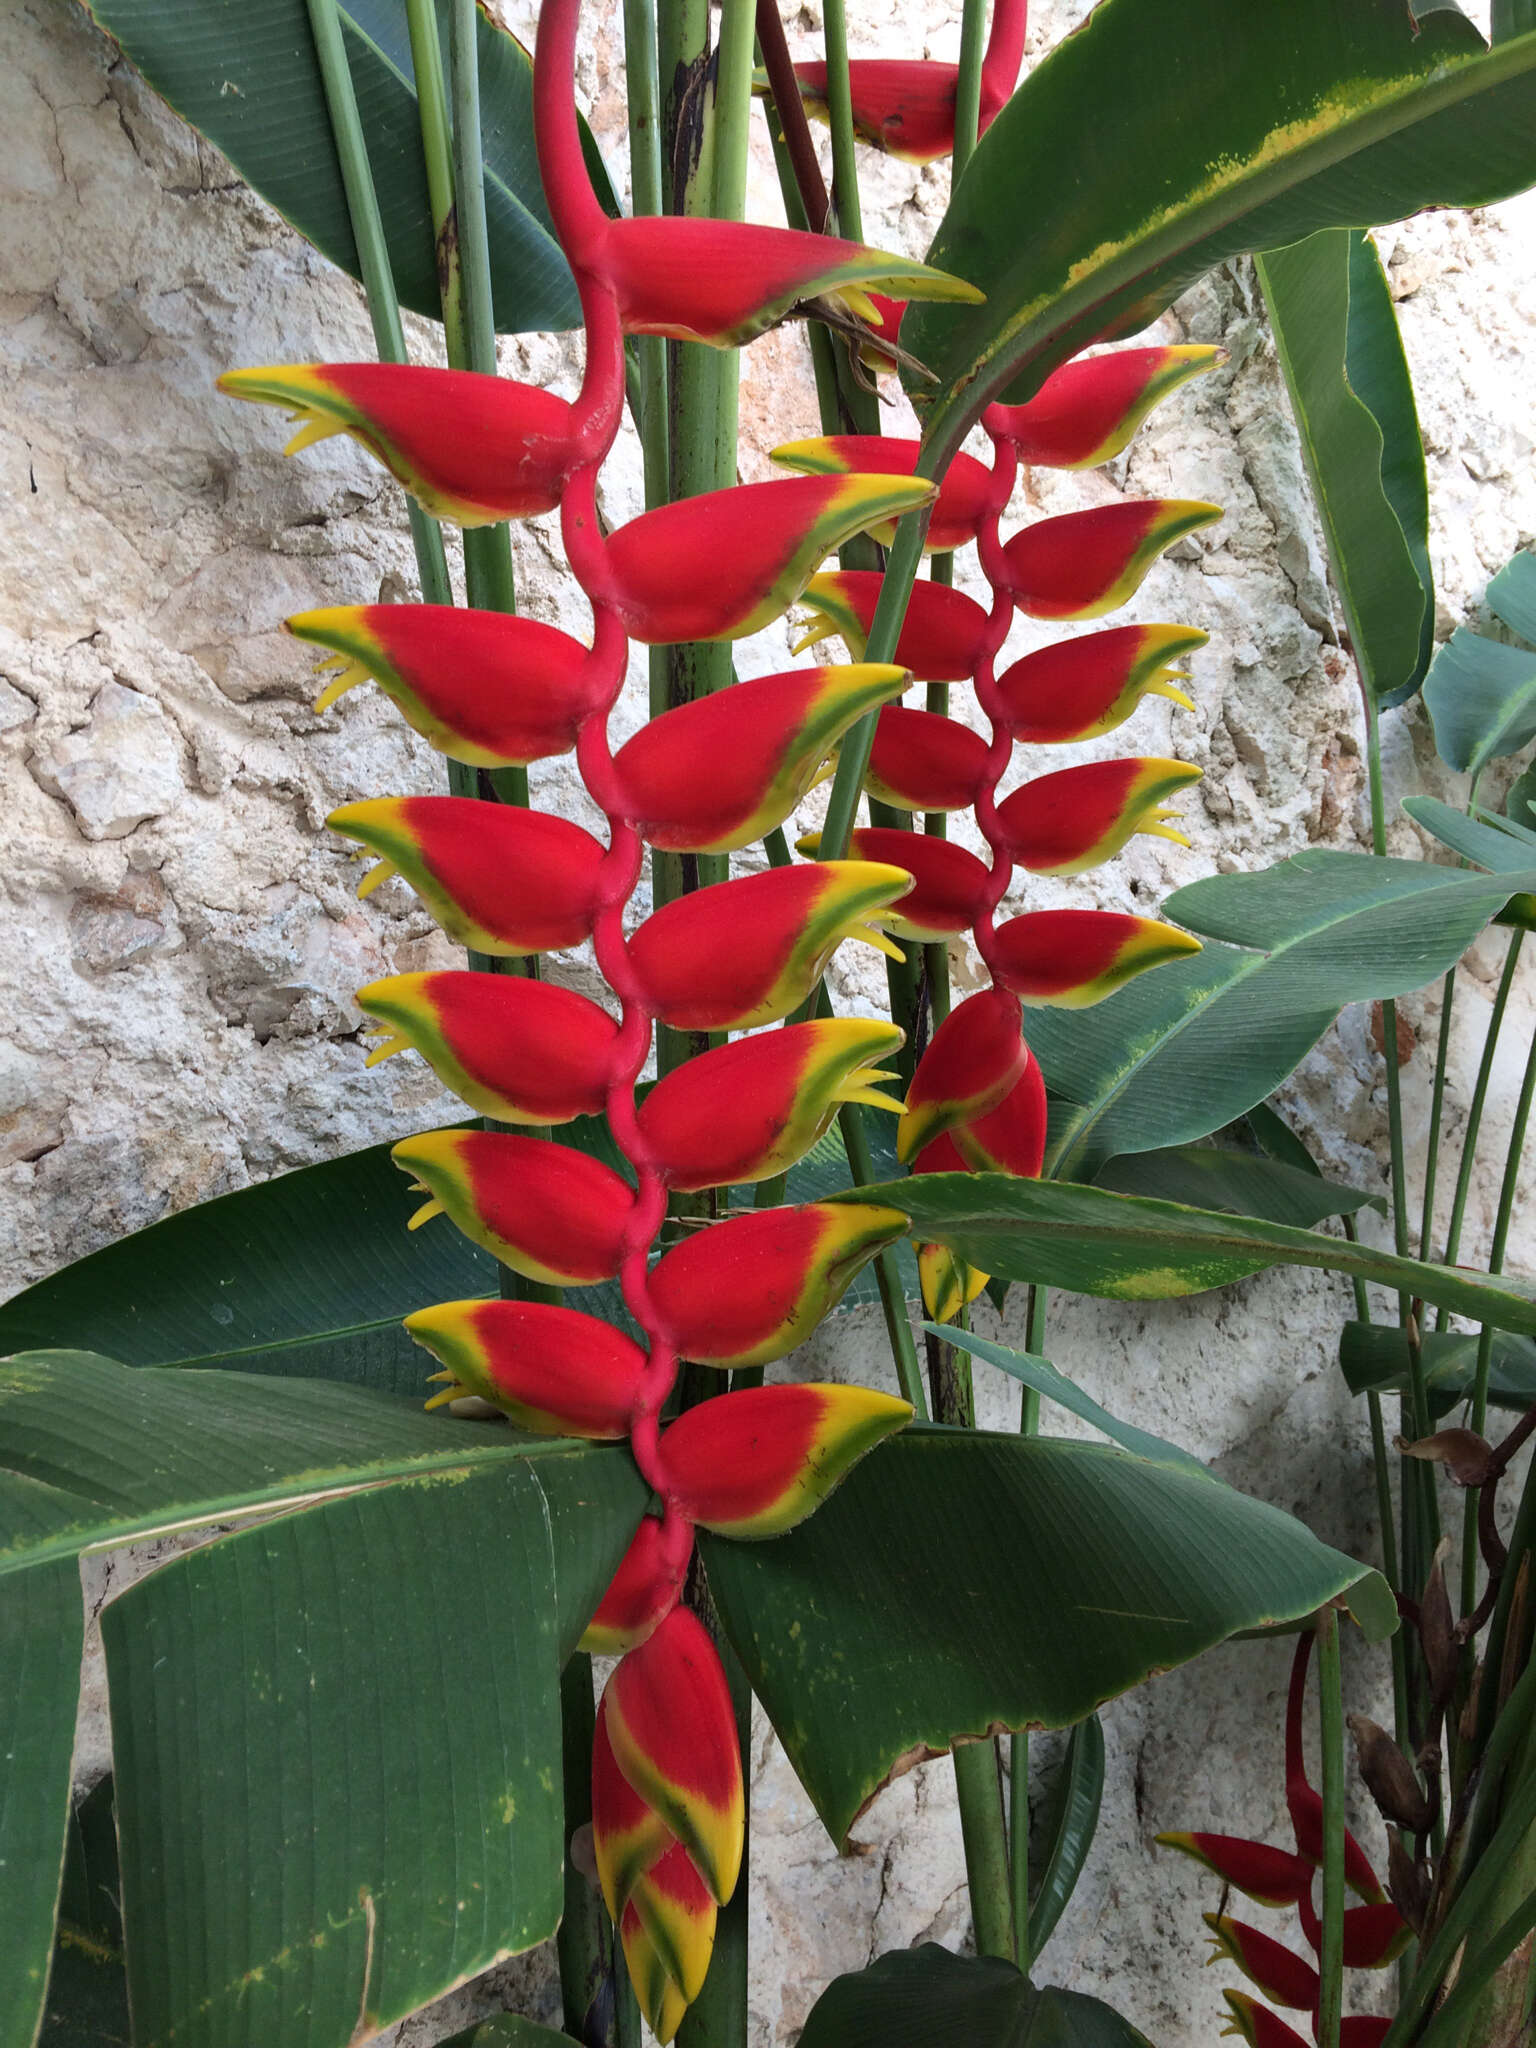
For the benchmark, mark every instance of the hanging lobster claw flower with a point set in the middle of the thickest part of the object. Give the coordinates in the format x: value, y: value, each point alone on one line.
x: 1284, y: 1977
x: 1257, y: 2025
x: 1079, y: 689
x: 923, y: 761
x: 549, y: 1212
x: 673, y: 1905
x: 948, y: 1282
x: 748, y: 1290
x: 673, y: 1731
x: 756, y: 1463
x: 524, y: 1052
x: 722, y: 565
x: 554, y: 1371
x: 1010, y: 1138
x: 1088, y: 410
x: 941, y: 636
x: 1073, y: 958
x: 974, y: 1058
x: 659, y: 1997
x: 497, y: 878
x: 749, y: 1110
x: 469, y: 448
x: 1270, y: 1876
x: 964, y: 491
x: 641, y: 1594
x: 765, y: 741
x: 494, y: 691
x: 747, y: 952
x: 628, y: 1836
x: 724, y: 282
x: 947, y: 882
x: 1077, y: 818
x: 1373, y: 1935
x: 1363, y: 2030
x: 1083, y: 564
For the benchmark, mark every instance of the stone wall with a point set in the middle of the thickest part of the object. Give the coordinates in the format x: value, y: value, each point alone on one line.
x: 182, y: 939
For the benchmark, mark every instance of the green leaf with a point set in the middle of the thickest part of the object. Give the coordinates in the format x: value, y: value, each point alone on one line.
x: 1513, y: 18
x: 1339, y: 346
x: 1076, y: 1798
x: 337, y: 1749
x: 88, y: 1987
x: 1481, y: 696
x: 1183, y: 1051
x: 1498, y: 844
x: 1168, y: 135
x: 1129, y: 1249
x: 1374, y: 1360
x: 1221, y: 1177
x: 1512, y: 593
x: 508, y: 2030
x: 869, y: 1654
x: 244, y: 73
x: 1520, y: 804
x: 925, y: 1997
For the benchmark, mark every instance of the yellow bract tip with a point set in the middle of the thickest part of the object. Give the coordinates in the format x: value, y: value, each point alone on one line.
x: 820, y: 628
x: 426, y: 1212
x: 351, y: 674
x: 387, y: 1049
x: 316, y: 427
x: 872, y: 1098
x: 1164, y: 688
x: 380, y: 872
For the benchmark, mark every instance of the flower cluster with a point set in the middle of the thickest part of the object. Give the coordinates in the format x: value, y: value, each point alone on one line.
x: 1375, y: 1933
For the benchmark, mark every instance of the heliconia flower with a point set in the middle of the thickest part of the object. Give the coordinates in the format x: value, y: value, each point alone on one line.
x: 1083, y: 564
x: 1087, y: 411
x: 964, y: 490
x: 498, y: 878
x: 1272, y: 1877
x: 1079, y: 689
x: 724, y: 282
x: 673, y: 1732
x: 749, y: 1110
x: 948, y: 882
x: 755, y: 1463
x: 659, y: 1997
x: 553, y: 1370
x: 549, y: 1212
x: 628, y: 1836
x: 524, y: 1052
x: 765, y: 741
x: 884, y: 326
x: 1374, y: 1935
x: 948, y: 1282
x: 1063, y: 823
x: 1073, y: 958
x: 749, y: 1289
x: 974, y: 1058
x: 1363, y: 2030
x: 641, y: 1594
x: 907, y: 106
x: 747, y: 952
x: 469, y: 448
x: 1010, y: 1138
x: 494, y: 691
x: 941, y: 636
x: 726, y: 563
x: 1257, y: 2025
x: 673, y: 1905
x: 1283, y: 1976
x: 923, y: 761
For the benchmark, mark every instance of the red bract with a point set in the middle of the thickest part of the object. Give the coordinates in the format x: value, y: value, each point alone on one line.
x: 1257, y: 2025
x: 964, y: 492
x: 974, y: 1058
x: 641, y: 1593
x: 494, y: 691
x: 940, y: 638
x: 497, y: 878
x: 1010, y: 1138
x: 673, y: 1905
x: 1072, y: 958
x: 1088, y: 410
x: 747, y: 952
x: 754, y: 1464
x: 1283, y: 1977
x: 1087, y: 563
x: 1079, y: 689
x: 468, y: 448
x: 1064, y: 823
x: 549, y: 1212
x: 947, y: 882
x: 1273, y: 1877
x: 753, y: 1287
x: 765, y: 742
x: 554, y: 1371
x: 722, y: 565
x: 524, y: 1052
x: 923, y: 761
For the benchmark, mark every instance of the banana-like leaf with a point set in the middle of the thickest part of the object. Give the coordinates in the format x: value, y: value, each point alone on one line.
x: 1481, y: 695
x: 1512, y: 594
x: 88, y: 1985
x: 1513, y: 18
x: 1248, y: 1184
x: 870, y: 1655
x: 1073, y: 1821
x: 1168, y: 135
x: 244, y: 73
x: 1501, y: 845
x: 508, y: 2030
x: 1336, y: 331
x: 1374, y: 1360
x: 925, y: 1997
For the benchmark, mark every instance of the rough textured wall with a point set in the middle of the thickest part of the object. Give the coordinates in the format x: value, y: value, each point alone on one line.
x: 182, y: 940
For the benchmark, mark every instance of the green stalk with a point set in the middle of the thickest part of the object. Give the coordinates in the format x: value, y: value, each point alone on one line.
x: 853, y: 753
x: 1436, y: 1112
x: 1330, y: 1960
x: 986, y: 1857
x: 1018, y: 1745
x: 437, y: 154
x: 973, y: 43
x: 893, y: 1299
x: 845, y: 169
x: 373, y: 261
x: 1475, y: 1109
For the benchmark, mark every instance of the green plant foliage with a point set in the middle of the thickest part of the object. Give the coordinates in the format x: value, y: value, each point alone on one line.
x: 1337, y: 336
x: 1512, y: 593
x: 244, y: 72
x: 1502, y: 845
x: 508, y: 2030
x: 1374, y: 1360
x: 1072, y: 1819
x: 925, y: 1997
x: 869, y: 1655
x: 1481, y: 696
x: 1246, y: 1183
x: 1188, y: 131
x: 1130, y: 1249
x: 88, y: 1986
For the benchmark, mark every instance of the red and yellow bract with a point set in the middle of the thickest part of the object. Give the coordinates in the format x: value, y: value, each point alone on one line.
x: 554, y: 1371
x: 1074, y: 958
x: 551, y: 1213
x: 948, y: 883
x: 1062, y: 824
x: 1086, y: 412
x: 973, y: 1060
x: 1084, y: 564
x: 940, y: 637
x: 923, y: 761
x: 958, y: 510
x: 1080, y: 689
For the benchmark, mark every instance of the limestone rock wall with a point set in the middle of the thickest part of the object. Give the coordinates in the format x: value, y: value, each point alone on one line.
x: 181, y: 939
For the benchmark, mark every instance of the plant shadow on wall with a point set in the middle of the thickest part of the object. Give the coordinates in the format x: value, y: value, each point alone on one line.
x: 358, y: 1751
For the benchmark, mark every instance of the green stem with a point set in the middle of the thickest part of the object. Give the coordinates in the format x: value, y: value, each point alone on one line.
x: 1018, y: 1745
x: 1475, y: 1109
x: 845, y: 169
x: 1436, y: 1112
x: 437, y: 154
x: 986, y: 1858
x: 853, y: 753
x: 1331, y: 1954
x: 893, y: 1299
x: 973, y: 43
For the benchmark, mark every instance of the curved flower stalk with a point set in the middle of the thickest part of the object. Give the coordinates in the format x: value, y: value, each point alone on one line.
x: 976, y: 1099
